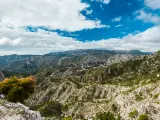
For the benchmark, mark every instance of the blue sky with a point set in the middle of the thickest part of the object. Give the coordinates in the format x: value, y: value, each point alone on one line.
x: 33, y: 27
x: 122, y: 10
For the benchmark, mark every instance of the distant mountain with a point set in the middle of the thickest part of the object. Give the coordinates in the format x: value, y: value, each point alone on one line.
x: 8, y: 59
x: 81, y: 58
x: 85, y: 51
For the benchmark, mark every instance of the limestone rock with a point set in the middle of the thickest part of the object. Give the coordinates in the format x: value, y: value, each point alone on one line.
x: 17, y: 111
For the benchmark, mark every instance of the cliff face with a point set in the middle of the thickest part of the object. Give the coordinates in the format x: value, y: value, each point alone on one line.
x: 17, y: 111
x: 1, y: 76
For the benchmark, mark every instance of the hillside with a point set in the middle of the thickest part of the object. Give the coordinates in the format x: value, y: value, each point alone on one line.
x: 129, y: 89
x: 93, y: 84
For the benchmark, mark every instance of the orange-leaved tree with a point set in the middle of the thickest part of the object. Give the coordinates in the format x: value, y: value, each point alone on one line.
x: 17, y: 89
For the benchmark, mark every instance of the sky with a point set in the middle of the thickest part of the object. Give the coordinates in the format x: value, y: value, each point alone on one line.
x: 43, y: 26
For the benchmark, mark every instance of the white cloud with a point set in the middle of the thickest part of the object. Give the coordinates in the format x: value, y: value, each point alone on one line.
x: 119, y: 25
x: 154, y: 4
x: 56, y: 14
x: 117, y: 19
x: 105, y: 1
x: 43, y: 42
x: 148, y: 17
x: 88, y: 12
x: 102, y: 1
x: 7, y: 41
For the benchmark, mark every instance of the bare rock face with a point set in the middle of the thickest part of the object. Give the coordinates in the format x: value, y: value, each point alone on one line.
x: 17, y: 111
x: 1, y: 76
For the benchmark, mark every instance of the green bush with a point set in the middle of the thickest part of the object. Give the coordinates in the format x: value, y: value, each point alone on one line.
x: 65, y: 107
x: 50, y: 109
x: 158, y: 52
x: 139, y: 97
x: 133, y: 114
x: 143, y: 117
x: 114, y: 107
x: 17, y: 89
x: 106, y: 116
x: 67, y: 118
x: 156, y: 96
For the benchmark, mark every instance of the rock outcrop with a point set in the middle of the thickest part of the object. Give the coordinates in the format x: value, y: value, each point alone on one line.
x: 17, y: 111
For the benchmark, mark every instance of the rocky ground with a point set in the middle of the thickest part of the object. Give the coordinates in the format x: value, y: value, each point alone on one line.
x: 16, y: 111
x: 122, y: 101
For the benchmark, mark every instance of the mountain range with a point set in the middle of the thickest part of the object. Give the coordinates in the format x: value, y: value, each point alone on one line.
x: 30, y: 64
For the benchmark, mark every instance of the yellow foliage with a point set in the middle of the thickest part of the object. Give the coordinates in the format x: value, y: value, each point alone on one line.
x: 17, y: 89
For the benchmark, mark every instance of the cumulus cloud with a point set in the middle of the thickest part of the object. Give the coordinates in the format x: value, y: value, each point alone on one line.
x: 154, y: 4
x: 6, y: 41
x: 56, y: 14
x: 42, y: 42
x: 148, y: 17
x: 64, y: 15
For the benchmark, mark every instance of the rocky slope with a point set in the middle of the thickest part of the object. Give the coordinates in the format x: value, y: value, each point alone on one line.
x: 17, y: 111
x: 129, y: 89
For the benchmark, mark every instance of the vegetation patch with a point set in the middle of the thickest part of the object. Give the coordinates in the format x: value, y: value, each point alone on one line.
x: 49, y: 109
x: 17, y: 89
x: 143, y: 117
x: 65, y: 107
x: 156, y: 96
x: 158, y: 52
x: 133, y: 114
x: 67, y: 118
x: 114, y: 107
x: 106, y: 116
x: 139, y: 97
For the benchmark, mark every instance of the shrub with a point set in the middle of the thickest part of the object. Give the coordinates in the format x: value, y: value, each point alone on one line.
x: 156, y: 96
x: 133, y: 114
x: 65, y: 107
x: 105, y: 116
x: 17, y: 89
x: 67, y: 118
x: 139, y: 97
x: 143, y: 117
x: 114, y: 107
x: 158, y: 52
x: 49, y: 109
